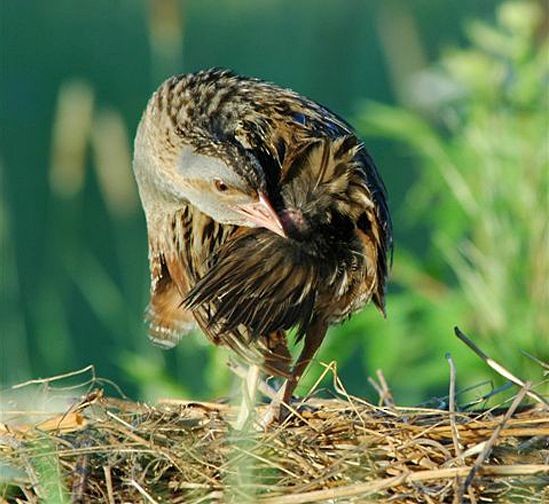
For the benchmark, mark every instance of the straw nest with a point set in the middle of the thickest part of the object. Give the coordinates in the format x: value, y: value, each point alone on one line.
x: 344, y: 449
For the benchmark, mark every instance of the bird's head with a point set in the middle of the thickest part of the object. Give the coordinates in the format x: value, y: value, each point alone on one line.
x: 222, y: 180
x: 228, y: 185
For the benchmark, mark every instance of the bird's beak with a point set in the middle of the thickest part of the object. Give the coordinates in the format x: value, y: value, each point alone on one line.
x: 262, y: 214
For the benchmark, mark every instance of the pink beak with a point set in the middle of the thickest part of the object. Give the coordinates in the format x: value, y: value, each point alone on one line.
x: 262, y: 214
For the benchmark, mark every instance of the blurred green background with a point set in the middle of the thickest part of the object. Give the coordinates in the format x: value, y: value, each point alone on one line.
x: 450, y: 97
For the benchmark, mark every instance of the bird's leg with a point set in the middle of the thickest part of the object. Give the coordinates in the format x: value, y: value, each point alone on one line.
x: 249, y: 391
x: 277, y: 409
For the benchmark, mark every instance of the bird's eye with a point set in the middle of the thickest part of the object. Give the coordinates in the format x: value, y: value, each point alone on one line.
x: 221, y: 186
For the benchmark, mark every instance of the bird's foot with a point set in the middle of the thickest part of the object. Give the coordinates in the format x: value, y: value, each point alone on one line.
x: 279, y: 409
x: 275, y: 413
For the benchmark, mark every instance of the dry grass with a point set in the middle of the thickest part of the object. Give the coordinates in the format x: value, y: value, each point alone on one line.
x: 104, y: 449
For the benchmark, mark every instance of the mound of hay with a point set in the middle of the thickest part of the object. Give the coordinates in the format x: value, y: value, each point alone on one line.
x: 104, y: 449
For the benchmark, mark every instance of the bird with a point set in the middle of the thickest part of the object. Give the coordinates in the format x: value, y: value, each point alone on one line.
x: 265, y: 214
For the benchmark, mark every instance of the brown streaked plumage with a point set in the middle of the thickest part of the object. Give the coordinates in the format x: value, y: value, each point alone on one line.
x: 264, y: 212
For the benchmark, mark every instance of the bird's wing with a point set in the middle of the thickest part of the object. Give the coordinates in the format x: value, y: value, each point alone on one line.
x: 366, y: 193
x: 374, y: 229
x: 345, y: 170
x: 168, y: 320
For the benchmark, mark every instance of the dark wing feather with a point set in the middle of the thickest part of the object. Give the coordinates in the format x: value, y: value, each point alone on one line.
x: 375, y: 227
x: 256, y: 283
